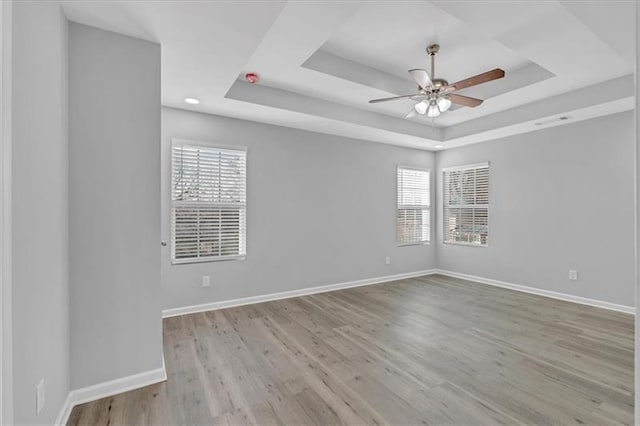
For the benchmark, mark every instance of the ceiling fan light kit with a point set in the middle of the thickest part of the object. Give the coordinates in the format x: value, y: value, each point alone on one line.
x: 435, y: 95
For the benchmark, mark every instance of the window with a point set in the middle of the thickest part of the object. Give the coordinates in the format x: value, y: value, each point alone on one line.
x: 208, y: 203
x: 414, y: 199
x: 466, y: 204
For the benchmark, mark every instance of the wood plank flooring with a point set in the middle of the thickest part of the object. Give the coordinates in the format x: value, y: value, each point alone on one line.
x: 429, y: 350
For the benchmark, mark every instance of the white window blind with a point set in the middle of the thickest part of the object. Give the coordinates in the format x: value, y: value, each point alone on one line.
x: 208, y: 193
x: 414, y: 200
x: 466, y: 204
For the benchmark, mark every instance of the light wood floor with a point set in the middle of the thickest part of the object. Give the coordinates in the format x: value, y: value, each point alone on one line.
x: 431, y: 350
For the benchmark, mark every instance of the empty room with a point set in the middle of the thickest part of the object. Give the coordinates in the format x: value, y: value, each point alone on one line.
x: 318, y: 212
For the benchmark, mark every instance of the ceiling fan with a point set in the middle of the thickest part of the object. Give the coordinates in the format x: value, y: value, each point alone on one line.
x: 436, y: 94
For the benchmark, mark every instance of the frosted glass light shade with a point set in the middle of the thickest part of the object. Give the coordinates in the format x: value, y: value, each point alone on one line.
x: 421, y: 107
x: 433, y: 110
x: 444, y: 103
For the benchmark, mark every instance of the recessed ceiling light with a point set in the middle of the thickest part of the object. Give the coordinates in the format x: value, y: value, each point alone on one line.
x: 439, y: 146
x: 192, y: 101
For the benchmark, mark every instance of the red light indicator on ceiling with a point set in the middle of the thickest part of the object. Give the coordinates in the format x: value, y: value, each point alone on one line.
x: 252, y: 77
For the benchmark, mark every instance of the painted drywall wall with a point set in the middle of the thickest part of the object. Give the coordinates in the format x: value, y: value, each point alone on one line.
x: 114, y: 205
x: 637, y: 214
x: 320, y: 210
x: 40, y: 210
x: 560, y: 199
x: 6, y: 315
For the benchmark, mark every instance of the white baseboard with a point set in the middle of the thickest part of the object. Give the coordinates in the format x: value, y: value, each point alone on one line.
x: 112, y: 387
x: 167, y: 313
x: 540, y: 292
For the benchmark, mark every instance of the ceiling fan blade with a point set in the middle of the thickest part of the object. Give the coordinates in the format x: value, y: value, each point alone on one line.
x: 375, y: 101
x: 411, y: 113
x: 465, y: 100
x: 422, y: 78
x: 446, y: 90
x: 479, y: 79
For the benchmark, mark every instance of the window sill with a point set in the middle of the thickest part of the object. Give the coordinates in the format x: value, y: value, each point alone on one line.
x: 207, y: 259
x: 451, y: 243
x: 425, y: 243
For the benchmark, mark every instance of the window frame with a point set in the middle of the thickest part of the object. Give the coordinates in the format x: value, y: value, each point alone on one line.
x: 420, y: 169
x: 172, y: 202
x: 462, y: 167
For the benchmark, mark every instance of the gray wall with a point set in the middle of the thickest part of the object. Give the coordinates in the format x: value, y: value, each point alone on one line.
x: 114, y: 205
x: 39, y: 210
x: 637, y: 197
x: 560, y: 199
x: 320, y: 210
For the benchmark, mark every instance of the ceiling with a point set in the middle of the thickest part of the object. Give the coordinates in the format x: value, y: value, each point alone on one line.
x: 320, y: 62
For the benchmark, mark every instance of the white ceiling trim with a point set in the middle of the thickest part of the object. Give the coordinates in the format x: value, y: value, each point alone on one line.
x: 598, y: 94
x: 282, y: 99
x: 587, y: 113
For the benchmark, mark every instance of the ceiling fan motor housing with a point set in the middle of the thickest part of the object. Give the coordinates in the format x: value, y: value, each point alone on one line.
x: 433, y: 49
x: 439, y: 83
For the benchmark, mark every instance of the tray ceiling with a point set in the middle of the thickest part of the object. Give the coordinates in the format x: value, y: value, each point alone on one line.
x: 320, y: 62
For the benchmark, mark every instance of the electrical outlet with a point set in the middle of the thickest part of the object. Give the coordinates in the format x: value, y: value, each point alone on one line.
x: 206, y: 281
x: 39, y: 396
x: 387, y: 260
x: 573, y: 275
